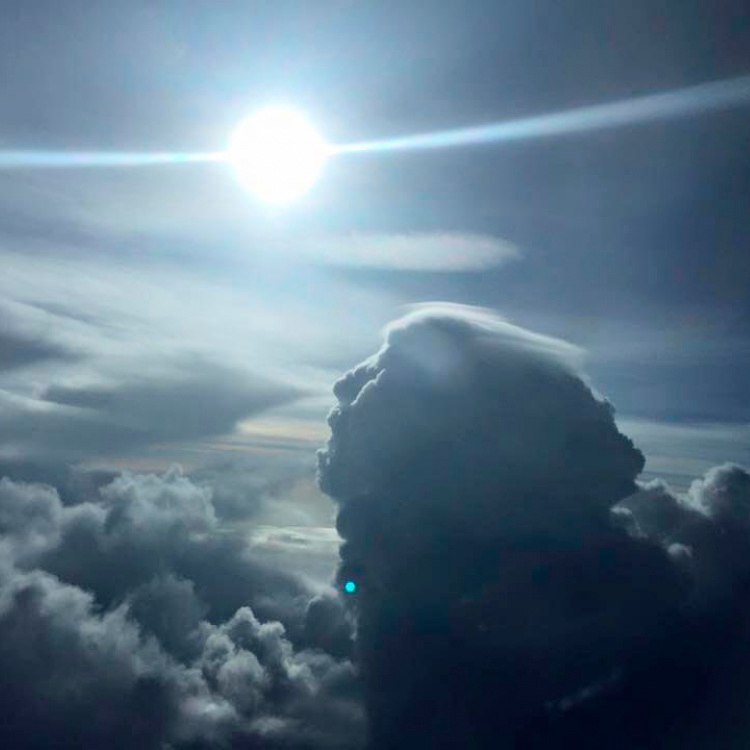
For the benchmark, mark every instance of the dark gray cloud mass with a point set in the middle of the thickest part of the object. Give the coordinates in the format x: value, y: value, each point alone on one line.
x: 516, y: 586
x: 132, y: 621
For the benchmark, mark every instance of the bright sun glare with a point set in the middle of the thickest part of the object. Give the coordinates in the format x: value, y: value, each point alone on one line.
x: 278, y: 154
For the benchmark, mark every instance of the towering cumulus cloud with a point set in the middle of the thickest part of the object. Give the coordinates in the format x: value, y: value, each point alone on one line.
x: 513, y: 585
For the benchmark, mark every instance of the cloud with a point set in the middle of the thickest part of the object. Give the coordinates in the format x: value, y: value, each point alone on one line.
x: 121, y: 375
x: 723, y: 495
x: 707, y: 529
x: 517, y: 585
x: 417, y: 251
x: 146, y: 526
x: 176, y: 404
x: 443, y: 384
x: 84, y: 678
x: 133, y: 621
x: 501, y: 600
x: 30, y: 517
x: 18, y: 350
x: 273, y: 488
x: 196, y: 216
x: 681, y: 451
x: 193, y: 400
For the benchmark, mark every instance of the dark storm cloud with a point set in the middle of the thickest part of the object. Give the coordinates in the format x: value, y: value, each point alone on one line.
x: 132, y: 621
x: 147, y: 526
x: 327, y: 625
x: 498, y: 603
x: 476, y: 391
x: 706, y: 531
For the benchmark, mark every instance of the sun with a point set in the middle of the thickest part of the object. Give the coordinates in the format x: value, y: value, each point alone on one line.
x: 277, y: 154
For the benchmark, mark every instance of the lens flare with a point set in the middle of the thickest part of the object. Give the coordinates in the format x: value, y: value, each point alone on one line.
x: 705, y: 97
x: 278, y: 155
x: 28, y: 159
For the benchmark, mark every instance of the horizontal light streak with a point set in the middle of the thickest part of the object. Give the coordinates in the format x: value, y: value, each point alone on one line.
x: 704, y: 97
x: 29, y: 159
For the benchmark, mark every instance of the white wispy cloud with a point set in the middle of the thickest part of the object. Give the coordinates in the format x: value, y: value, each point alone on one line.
x: 417, y: 251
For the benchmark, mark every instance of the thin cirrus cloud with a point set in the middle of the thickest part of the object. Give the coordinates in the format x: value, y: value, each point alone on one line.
x: 418, y: 251
x: 205, y: 213
x: 194, y: 213
x: 88, y: 373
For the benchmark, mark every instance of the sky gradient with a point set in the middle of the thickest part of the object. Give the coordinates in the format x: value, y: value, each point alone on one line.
x: 628, y: 242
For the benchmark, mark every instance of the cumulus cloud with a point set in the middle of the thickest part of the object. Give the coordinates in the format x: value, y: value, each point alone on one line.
x: 706, y: 530
x: 143, y: 526
x: 516, y: 586
x: 133, y: 621
x: 273, y: 488
x: 477, y: 393
x: 723, y: 495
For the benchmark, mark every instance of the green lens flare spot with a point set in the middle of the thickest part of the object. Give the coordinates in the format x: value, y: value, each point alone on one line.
x: 350, y: 587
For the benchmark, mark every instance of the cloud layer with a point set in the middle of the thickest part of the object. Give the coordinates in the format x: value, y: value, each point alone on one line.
x: 132, y: 621
x: 517, y: 585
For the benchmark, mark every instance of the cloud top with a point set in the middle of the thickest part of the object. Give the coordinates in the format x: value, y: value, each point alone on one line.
x: 482, y: 410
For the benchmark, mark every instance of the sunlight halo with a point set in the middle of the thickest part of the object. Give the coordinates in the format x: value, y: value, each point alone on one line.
x: 278, y: 154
